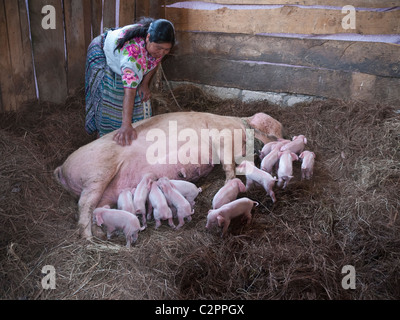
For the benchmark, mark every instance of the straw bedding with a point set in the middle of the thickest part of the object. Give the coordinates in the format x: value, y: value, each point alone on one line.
x: 293, y: 249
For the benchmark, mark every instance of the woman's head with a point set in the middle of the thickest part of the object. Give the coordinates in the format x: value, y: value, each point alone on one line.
x: 160, y: 38
x: 158, y: 34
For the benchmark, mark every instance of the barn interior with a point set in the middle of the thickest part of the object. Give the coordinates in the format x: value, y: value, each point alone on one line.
x: 301, y: 62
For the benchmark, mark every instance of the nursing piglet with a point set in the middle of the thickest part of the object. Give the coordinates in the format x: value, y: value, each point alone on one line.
x: 271, y: 145
x: 228, y: 193
x: 161, y: 210
x: 187, y: 189
x: 227, y: 212
x: 307, y: 165
x: 297, y: 144
x: 114, y: 219
x: 183, y: 207
x: 268, y: 162
x: 253, y: 174
x: 141, y: 194
x: 125, y: 201
x: 285, y: 170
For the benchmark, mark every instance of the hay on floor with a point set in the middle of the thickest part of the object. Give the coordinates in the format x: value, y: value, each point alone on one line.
x: 293, y: 249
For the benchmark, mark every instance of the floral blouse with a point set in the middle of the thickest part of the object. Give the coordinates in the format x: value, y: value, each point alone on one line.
x: 132, y: 62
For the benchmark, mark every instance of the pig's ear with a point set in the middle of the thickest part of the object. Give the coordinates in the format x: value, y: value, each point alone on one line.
x: 294, y: 156
x: 280, y: 154
x: 313, y: 154
x: 99, y: 220
x: 305, y: 140
x: 301, y: 156
x: 221, y: 220
x: 294, y: 138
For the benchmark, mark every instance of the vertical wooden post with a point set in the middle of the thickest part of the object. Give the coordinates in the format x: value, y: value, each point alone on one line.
x: 109, y: 14
x: 97, y: 13
x: 127, y: 13
x: 49, y: 52
x: 76, y: 47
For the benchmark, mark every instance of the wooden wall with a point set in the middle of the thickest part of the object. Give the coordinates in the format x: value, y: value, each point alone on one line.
x: 57, y: 56
x: 273, y: 46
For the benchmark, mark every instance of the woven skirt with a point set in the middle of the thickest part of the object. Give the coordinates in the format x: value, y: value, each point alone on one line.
x: 104, y: 94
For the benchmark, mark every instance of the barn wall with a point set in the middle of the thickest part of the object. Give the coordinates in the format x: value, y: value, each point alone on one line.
x: 54, y: 59
x: 285, y: 46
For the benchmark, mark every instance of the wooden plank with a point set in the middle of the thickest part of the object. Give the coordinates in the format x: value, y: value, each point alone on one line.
x: 97, y: 15
x: 87, y: 15
x: 8, y: 97
x: 282, y: 78
x: 29, y: 92
x: 127, y: 13
x: 283, y: 19
x: 375, y: 58
x: 76, y: 47
x: 20, y: 53
x: 109, y: 13
x: 49, y: 52
x: 333, y: 3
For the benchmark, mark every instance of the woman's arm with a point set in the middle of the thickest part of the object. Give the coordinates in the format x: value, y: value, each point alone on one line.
x: 126, y: 134
x: 144, y: 91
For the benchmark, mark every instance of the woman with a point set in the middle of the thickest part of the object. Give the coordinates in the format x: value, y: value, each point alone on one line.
x: 119, y: 66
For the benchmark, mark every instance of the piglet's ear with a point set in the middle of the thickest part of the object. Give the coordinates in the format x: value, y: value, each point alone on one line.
x: 305, y: 140
x: 221, y: 220
x: 294, y: 156
x: 99, y: 219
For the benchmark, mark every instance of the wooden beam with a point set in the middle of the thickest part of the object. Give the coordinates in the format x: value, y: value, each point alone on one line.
x: 333, y: 3
x: 375, y: 58
x: 281, y: 19
x: 49, y: 52
x: 97, y: 15
x: 127, y: 12
x: 109, y: 13
x: 270, y: 77
x: 8, y: 98
x: 76, y: 46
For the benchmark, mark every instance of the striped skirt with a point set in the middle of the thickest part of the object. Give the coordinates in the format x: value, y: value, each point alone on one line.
x: 104, y: 94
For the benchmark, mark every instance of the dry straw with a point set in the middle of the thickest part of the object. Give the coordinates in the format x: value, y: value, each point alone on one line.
x: 294, y: 249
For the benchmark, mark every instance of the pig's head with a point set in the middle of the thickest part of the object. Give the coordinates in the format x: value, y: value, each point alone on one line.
x: 211, y: 218
x: 241, y: 186
x: 245, y: 167
x: 266, y: 124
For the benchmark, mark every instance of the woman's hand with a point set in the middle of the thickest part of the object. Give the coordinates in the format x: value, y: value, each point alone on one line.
x: 125, y: 135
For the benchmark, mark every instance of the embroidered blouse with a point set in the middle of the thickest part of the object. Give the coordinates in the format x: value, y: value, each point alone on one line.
x: 132, y: 61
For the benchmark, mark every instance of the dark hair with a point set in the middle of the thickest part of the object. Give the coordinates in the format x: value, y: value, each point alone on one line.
x: 160, y: 31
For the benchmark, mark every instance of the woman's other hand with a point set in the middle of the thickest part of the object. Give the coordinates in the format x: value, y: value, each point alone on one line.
x: 144, y: 92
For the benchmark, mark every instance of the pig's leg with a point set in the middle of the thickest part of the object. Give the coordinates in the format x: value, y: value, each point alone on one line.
x: 229, y: 171
x: 225, y: 227
x: 158, y: 223
x: 87, y: 203
x: 181, y: 222
x: 171, y: 223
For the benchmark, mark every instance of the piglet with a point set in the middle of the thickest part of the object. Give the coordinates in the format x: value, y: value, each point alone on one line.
x: 115, y: 219
x: 267, y: 148
x: 183, y: 207
x: 263, y: 178
x: 228, y: 193
x: 141, y: 194
x: 227, y: 212
x: 285, y: 170
x: 297, y: 144
x: 307, y: 165
x: 187, y: 189
x: 268, y: 162
x: 125, y: 201
x: 161, y: 210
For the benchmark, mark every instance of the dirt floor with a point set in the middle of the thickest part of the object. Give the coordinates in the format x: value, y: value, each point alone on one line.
x: 293, y: 249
